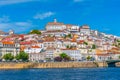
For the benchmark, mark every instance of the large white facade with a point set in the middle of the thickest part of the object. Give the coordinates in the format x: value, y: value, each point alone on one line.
x: 74, y: 54
x: 54, y: 26
x: 9, y: 47
x: 85, y: 29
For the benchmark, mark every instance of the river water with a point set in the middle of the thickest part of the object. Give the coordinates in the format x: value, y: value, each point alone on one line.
x: 62, y: 74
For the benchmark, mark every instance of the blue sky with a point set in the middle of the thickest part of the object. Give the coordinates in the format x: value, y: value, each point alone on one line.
x: 25, y: 15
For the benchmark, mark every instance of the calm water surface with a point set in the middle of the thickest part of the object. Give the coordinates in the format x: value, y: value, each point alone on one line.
x: 62, y: 74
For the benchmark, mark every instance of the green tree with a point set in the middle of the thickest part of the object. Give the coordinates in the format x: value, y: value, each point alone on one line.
x: 93, y: 46
x: 69, y: 35
x: 85, y: 43
x: 8, y: 56
x: 35, y: 32
x: 65, y: 57
x: 118, y: 40
x: 67, y: 46
x: 119, y: 56
x: 88, y: 57
x: 22, y: 56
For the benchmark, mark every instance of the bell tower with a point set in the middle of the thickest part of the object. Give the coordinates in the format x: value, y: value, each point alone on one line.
x: 11, y: 32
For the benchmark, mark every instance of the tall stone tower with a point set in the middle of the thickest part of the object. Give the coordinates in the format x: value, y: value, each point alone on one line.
x: 11, y: 32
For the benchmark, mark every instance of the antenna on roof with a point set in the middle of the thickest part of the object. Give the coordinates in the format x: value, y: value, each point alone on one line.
x: 55, y: 20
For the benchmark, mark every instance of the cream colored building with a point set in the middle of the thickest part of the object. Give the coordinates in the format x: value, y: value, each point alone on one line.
x: 55, y: 26
x: 37, y: 57
x: 9, y: 47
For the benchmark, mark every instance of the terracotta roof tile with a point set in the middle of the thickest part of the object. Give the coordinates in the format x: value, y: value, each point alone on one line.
x: 8, y: 42
x: 55, y: 23
x: 35, y: 46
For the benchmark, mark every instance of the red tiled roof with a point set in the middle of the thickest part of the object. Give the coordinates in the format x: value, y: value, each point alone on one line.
x: 35, y: 46
x: 73, y: 40
x: 8, y: 42
x: 25, y: 42
x: 49, y: 39
x: 85, y: 27
x: 55, y: 23
x: 81, y: 42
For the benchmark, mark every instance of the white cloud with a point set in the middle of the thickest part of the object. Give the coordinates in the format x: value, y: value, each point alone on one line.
x: 18, y: 27
x: 44, y: 15
x: 22, y: 24
x: 78, y: 0
x: 8, y: 2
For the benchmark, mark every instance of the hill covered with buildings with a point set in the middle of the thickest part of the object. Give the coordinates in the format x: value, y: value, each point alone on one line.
x: 78, y: 42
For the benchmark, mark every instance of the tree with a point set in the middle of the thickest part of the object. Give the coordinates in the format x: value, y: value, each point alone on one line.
x: 69, y: 35
x: 67, y: 46
x: 93, y: 46
x: 119, y: 56
x: 8, y: 56
x: 67, y: 58
x: 35, y: 32
x: 118, y: 40
x: 58, y: 59
x: 88, y: 57
x: 22, y: 56
x: 64, y: 57
x: 85, y: 43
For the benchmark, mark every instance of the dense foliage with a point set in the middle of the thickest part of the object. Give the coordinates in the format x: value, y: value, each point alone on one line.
x: 22, y: 56
x: 88, y: 58
x: 68, y: 36
x: 8, y: 56
x: 93, y: 46
x: 35, y: 32
x: 58, y: 59
x: 64, y: 57
x: 85, y: 43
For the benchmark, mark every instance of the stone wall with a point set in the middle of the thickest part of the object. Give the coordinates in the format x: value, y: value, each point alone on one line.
x: 102, y: 64
x: 117, y: 64
x: 50, y: 65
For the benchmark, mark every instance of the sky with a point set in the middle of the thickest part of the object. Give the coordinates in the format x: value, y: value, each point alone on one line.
x: 23, y: 16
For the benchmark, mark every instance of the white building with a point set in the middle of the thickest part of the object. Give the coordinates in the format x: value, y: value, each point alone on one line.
x: 55, y: 26
x: 55, y: 33
x: 74, y: 29
x: 9, y: 47
x: 49, y: 42
x: 85, y: 29
x: 11, y: 32
x: 33, y: 49
x: 37, y: 57
x: 73, y: 53
x: 50, y: 53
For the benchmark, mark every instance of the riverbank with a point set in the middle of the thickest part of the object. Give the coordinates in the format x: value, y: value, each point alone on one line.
x: 52, y: 65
